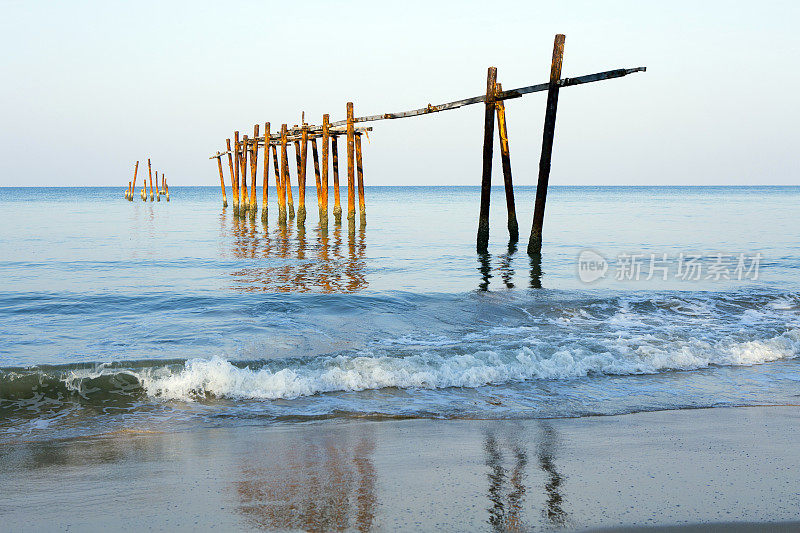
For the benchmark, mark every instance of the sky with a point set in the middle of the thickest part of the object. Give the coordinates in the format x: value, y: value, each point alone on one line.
x: 90, y: 87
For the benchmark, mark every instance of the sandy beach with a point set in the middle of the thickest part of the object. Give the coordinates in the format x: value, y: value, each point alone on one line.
x: 668, y: 468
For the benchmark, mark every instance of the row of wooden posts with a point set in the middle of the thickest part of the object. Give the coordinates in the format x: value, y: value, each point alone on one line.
x: 493, y: 100
x: 244, y: 153
x: 164, y: 190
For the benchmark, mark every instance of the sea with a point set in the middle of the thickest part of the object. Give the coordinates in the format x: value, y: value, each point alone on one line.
x: 172, y: 316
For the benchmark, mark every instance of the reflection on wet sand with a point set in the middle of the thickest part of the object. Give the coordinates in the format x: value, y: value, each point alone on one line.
x: 554, y: 511
x: 286, y: 259
x: 322, y: 485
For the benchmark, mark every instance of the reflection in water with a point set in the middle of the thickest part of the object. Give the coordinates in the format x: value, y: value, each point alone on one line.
x: 485, y: 268
x: 323, y: 485
x: 554, y: 511
x: 285, y: 259
x: 536, y: 271
x: 506, y: 268
x: 506, y: 511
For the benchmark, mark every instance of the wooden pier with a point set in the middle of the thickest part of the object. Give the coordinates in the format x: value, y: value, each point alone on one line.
x: 327, y: 133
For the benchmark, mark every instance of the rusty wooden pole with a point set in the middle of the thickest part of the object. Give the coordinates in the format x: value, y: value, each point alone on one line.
x: 535, y: 241
x: 351, y: 171
x: 324, y: 179
x: 237, y: 166
x: 135, y: 173
x: 278, y: 184
x: 505, y: 157
x: 317, y: 178
x: 166, y: 187
x: 285, y: 182
x: 488, y: 146
x: 245, y: 205
x: 301, y: 174
x: 360, y: 174
x: 265, y: 180
x: 158, y: 193
x: 163, y: 183
x: 150, y: 173
x: 222, y: 180
x: 253, y: 174
x: 337, y: 202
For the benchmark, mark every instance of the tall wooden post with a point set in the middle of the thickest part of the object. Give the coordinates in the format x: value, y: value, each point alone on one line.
x: 301, y: 174
x: 150, y: 173
x: 324, y: 179
x: 505, y: 157
x: 135, y: 173
x: 237, y: 166
x: 285, y: 180
x: 317, y: 179
x: 360, y: 174
x: 245, y: 205
x: 278, y: 184
x: 351, y: 171
x: 253, y: 174
x: 265, y: 180
x: 488, y: 146
x: 158, y: 193
x: 535, y: 241
x: 337, y: 203
x: 221, y: 180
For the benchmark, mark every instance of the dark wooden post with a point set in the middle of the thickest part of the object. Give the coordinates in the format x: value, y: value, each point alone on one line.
x: 317, y: 179
x: 135, y: 173
x: 337, y: 202
x: 253, y: 173
x: 513, y: 227
x: 324, y: 178
x: 301, y: 174
x: 360, y: 174
x: 535, y: 241
x: 278, y: 184
x: 237, y: 166
x: 488, y: 147
x: 265, y: 180
x: 245, y: 201
x: 351, y: 171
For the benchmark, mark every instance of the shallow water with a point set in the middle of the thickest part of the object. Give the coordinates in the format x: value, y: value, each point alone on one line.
x: 116, y: 314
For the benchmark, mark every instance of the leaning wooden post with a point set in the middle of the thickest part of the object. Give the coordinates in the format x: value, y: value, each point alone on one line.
x: 221, y: 180
x: 286, y: 185
x: 535, y: 241
x: 235, y: 182
x: 265, y: 180
x: 488, y: 146
x: 301, y: 174
x: 324, y: 180
x: 360, y: 174
x: 505, y: 157
x: 351, y: 171
x: 150, y: 173
x: 337, y: 203
x: 317, y: 179
x: 158, y: 193
x: 245, y: 198
x: 135, y: 173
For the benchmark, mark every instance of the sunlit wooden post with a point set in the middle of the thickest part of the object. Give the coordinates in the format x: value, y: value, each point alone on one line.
x: 351, y: 171
x: 150, y: 174
x: 317, y: 179
x: 222, y: 180
x: 337, y: 203
x: 158, y: 193
x: 135, y: 173
x: 301, y: 174
x: 237, y: 166
x: 324, y: 178
x: 535, y: 241
x: 166, y: 188
x: 144, y: 192
x: 286, y: 186
x: 278, y: 184
x: 245, y: 199
x: 265, y: 180
x: 253, y: 174
x: 488, y: 146
x: 360, y: 174
x: 513, y: 228
x: 128, y: 191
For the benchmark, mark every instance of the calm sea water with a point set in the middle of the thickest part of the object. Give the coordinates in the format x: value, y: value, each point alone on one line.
x: 160, y: 315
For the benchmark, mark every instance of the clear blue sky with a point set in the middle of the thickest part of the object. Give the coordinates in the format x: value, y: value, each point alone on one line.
x: 89, y: 87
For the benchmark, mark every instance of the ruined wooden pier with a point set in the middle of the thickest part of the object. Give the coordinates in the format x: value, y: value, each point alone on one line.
x: 243, y: 154
x: 163, y: 191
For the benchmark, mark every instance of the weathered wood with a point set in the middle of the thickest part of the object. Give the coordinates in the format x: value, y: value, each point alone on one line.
x: 235, y: 185
x: 317, y: 178
x: 535, y: 241
x: 286, y: 177
x: 488, y: 146
x: 245, y: 205
x: 253, y: 174
x: 278, y: 184
x: 135, y: 173
x: 301, y: 176
x: 324, y: 178
x: 360, y: 175
x: 337, y: 203
x: 150, y: 173
x: 222, y: 181
x: 166, y: 188
x: 158, y: 194
x: 265, y: 179
x: 505, y: 157
x: 283, y: 178
x: 351, y: 171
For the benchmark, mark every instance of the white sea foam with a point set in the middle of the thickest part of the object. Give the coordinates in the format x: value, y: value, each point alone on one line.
x: 439, y: 370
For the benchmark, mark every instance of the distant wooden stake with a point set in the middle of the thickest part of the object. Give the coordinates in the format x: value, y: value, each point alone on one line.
x: 351, y: 171
x: 324, y: 184
x: 166, y: 188
x: 128, y: 191
x: 265, y: 180
x: 253, y: 174
x: 301, y: 175
x: 150, y: 173
x: 135, y: 173
x: 221, y: 181
x: 245, y: 205
x: 535, y: 241
x: 237, y: 166
x: 337, y: 204
x: 513, y: 228
x: 488, y: 146
x: 158, y: 193
x: 360, y: 174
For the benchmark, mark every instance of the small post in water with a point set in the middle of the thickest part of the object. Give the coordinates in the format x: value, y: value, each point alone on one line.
x: 337, y: 202
x: 221, y: 180
x: 158, y: 193
x: 150, y: 173
x: 324, y: 180
x: 360, y: 173
x: 286, y: 190
x: 265, y: 180
x: 301, y: 174
x: 135, y: 173
x: 351, y: 171
x: 253, y: 172
x: 245, y: 205
x: 235, y: 169
x: 488, y: 146
x: 317, y: 179
x: 505, y: 157
x: 279, y: 186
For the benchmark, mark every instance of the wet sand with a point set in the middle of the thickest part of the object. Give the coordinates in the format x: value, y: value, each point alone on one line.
x: 732, y: 466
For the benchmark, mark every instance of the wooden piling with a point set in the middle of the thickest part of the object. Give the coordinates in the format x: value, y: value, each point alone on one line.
x: 360, y: 174
x: 150, y: 173
x: 286, y: 190
x: 254, y: 173
x: 135, y: 173
x: 278, y: 184
x: 351, y: 171
x: 158, y: 193
x: 235, y: 170
x: 324, y: 179
x: 166, y: 188
x: 221, y: 181
x: 128, y: 191
x: 317, y: 178
x: 513, y: 227
x: 488, y: 147
x: 144, y: 192
x: 265, y: 180
x: 245, y: 205
x: 301, y: 175
x: 163, y: 183
x: 337, y: 203
x: 535, y: 241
